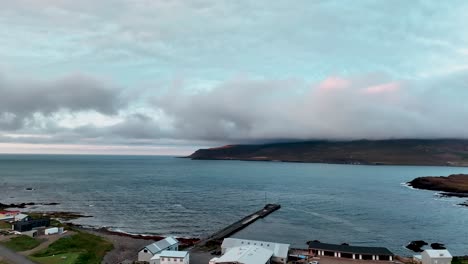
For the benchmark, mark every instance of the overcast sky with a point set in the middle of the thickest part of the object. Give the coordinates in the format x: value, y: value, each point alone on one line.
x: 170, y: 76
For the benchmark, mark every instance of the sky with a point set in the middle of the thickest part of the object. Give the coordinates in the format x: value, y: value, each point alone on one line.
x: 166, y: 77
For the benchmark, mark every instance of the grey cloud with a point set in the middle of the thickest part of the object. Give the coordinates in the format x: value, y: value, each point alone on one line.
x: 23, y: 101
x: 373, y: 107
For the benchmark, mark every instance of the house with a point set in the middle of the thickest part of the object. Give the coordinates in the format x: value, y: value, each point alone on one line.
x: 245, y: 255
x: 169, y: 243
x: 28, y: 224
x: 171, y: 257
x: 21, y: 217
x: 351, y: 252
x: 436, y: 256
x: 8, y: 215
x: 280, y: 251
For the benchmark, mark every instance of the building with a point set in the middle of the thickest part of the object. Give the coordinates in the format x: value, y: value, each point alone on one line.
x: 21, y: 217
x: 53, y: 230
x: 28, y: 224
x: 169, y: 243
x: 351, y: 252
x: 436, y: 256
x: 32, y: 233
x: 171, y: 257
x: 8, y: 215
x: 245, y: 255
x: 280, y: 251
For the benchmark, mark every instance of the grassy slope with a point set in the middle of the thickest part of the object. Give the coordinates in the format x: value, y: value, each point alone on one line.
x: 22, y: 243
x: 460, y: 260
x: 87, y: 248
x: 66, y: 258
x: 5, y: 225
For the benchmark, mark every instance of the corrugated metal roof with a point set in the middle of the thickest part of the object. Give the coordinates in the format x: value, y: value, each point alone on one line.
x: 279, y: 250
x: 246, y: 255
x: 173, y: 254
x: 161, y: 245
x: 350, y: 249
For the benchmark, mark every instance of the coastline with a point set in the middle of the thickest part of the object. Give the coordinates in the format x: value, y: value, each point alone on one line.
x: 359, y: 163
x: 455, y: 185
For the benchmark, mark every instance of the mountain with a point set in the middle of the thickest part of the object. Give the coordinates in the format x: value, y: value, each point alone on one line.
x: 442, y: 152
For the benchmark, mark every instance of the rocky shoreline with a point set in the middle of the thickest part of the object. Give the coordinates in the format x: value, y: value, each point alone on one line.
x: 455, y: 185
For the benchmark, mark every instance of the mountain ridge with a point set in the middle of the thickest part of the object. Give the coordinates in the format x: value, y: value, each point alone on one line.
x: 437, y: 152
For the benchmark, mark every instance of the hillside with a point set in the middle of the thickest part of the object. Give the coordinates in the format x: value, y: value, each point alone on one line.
x: 447, y: 152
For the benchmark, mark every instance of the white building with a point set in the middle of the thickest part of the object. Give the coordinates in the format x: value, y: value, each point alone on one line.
x: 171, y: 257
x: 245, y: 255
x: 169, y: 243
x: 280, y: 251
x: 432, y: 256
x: 20, y: 217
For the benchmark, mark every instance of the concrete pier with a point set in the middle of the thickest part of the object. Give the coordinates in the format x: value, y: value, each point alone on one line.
x: 218, y: 236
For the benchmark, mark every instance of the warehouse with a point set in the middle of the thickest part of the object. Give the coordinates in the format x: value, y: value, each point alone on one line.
x: 280, y: 251
x: 245, y: 255
x: 352, y: 252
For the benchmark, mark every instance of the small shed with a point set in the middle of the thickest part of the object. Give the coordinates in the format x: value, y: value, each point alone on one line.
x: 173, y: 257
x: 168, y: 243
x: 436, y: 256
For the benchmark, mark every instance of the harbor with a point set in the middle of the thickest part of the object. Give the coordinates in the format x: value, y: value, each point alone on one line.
x: 217, y: 237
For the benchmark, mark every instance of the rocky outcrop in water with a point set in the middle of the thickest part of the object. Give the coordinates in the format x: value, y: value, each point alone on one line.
x: 416, y: 245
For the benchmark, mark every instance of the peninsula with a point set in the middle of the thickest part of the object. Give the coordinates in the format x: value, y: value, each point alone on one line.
x: 456, y: 184
x: 439, y: 152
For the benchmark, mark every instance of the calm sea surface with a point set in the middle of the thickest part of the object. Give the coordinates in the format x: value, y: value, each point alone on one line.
x: 360, y: 205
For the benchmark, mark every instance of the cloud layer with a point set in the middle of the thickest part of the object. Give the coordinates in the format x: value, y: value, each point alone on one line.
x: 202, y: 73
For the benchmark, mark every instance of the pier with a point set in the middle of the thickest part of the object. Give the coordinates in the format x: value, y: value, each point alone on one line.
x: 218, y: 236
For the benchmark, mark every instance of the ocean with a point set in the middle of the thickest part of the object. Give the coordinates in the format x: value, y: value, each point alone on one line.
x: 359, y: 205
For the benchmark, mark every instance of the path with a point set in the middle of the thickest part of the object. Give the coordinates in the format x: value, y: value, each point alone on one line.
x: 13, y: 256
x: 49, y: 240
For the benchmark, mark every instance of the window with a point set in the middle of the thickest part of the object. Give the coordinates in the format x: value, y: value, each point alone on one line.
x: 145, y: 250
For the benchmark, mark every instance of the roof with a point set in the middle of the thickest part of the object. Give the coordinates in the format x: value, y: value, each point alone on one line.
x: 9, y: 212
x: 438, y: 253
x: 21, y: 216
x: 350, y: 249
x: 246, y: 255
x: 173, y: 254
x: 279, y: 250
x: 161, y: 245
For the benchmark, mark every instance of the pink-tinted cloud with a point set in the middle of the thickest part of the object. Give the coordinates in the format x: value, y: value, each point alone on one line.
x: 383, y: 88
x: 334, y: 83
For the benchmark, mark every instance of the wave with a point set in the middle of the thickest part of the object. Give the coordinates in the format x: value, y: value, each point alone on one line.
x: 405, y: 184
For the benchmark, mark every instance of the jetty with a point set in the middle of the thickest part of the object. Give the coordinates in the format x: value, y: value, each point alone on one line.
x: 218, y: 236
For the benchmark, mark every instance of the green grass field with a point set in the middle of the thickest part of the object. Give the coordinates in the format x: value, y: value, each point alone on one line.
x: 458, y: 260
x: 66, y: 258
x: 5, y: 225
x: 22, y: 243
x: 80, y: 248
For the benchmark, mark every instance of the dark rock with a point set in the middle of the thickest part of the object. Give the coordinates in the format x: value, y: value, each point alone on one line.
x: 416, y: 246
x: 438, y: 246
x: 50, y: 203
